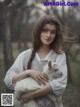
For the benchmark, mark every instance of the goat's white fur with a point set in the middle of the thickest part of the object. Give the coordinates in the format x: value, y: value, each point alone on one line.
x: 29, y: 84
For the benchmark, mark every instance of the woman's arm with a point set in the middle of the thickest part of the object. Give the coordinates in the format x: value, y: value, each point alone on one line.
x: 16, y: 69
x: 38, y: 76
x: 20, y: 76
x: 59, y: 84
x: 47, y: 89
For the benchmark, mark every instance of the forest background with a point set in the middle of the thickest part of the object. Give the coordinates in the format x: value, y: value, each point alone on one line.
x: 17, y: 18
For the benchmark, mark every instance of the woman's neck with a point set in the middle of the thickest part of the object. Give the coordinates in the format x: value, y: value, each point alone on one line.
x: 43, y: 51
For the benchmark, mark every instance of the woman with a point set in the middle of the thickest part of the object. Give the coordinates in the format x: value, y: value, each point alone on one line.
x: 47, y: 45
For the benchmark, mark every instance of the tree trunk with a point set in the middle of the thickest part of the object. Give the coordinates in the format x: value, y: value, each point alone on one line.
x: 7, y: 48
x: 69, y: 70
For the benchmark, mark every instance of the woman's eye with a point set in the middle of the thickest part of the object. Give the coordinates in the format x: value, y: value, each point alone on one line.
x: 54, y: 32
x: 44, y: 30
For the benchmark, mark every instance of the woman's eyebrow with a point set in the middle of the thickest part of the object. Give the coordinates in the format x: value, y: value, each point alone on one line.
x: 49, y: 29
x: 45, y: 27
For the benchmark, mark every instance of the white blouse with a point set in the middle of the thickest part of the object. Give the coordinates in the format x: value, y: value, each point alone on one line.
x: 20, y: 65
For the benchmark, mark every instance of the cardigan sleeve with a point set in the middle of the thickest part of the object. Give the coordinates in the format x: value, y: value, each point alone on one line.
x: 16, y: 68
x: 58, y: 85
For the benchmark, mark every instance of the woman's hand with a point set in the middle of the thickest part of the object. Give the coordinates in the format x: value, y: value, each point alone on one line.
x: 41, y: 78
x: 26, y: 97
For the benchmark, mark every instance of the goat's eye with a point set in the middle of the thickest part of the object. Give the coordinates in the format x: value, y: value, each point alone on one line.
x: 56, y: 70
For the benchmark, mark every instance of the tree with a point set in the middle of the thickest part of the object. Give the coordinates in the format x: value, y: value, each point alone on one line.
x: 5, y: 33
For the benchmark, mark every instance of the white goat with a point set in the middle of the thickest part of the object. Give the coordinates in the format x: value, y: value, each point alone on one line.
x: 29, y: 84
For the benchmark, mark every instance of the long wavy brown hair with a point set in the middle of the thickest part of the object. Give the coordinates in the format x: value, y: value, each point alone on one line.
x: 56, y: 45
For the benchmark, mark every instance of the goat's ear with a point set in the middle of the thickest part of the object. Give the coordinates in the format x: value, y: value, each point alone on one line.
x: 49, y: 64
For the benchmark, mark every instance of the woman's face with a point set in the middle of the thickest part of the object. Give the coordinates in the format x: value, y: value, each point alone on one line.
x: 48, y: 34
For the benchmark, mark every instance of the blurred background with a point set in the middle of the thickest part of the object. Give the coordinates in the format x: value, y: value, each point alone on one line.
x: 17, y: 18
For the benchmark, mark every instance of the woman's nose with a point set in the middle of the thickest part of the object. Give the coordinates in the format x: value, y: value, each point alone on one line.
x: 48, y: 34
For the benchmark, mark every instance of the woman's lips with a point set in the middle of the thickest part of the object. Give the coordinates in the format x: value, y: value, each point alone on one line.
x: 48, y: 39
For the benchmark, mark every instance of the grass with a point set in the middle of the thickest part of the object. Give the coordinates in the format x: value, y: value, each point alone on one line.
x: 71, y: 96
